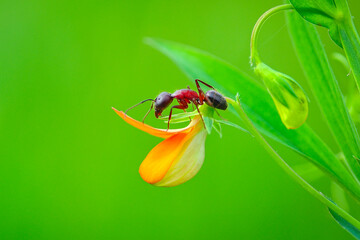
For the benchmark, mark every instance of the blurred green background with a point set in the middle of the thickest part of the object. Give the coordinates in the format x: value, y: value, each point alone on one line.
x: 69, y: 164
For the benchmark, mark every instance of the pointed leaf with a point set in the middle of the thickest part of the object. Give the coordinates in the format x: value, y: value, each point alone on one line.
x: 320, y: 12
x: 257, y: 104
x: 346, y: 225
x: 325, y: 87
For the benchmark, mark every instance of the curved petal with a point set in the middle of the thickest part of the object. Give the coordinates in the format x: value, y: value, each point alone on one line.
x: 176, y: 159
x: 163, y: 133
x: 161, y: 157
x: 188, y: 164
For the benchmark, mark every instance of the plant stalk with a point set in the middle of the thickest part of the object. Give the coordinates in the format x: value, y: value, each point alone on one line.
x: 349, y: 38
x: 254, y: 55
x: 322, y: 198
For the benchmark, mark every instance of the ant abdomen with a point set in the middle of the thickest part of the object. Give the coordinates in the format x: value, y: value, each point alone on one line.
x: 216, y: 100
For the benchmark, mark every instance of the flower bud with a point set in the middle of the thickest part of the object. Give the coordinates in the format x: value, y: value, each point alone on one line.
x: 289, y: 97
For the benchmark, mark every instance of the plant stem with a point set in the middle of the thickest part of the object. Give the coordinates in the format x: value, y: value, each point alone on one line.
x: 322, y: 198
x: 350, y: 39
x: 351, y: 44
x: 254, y: 56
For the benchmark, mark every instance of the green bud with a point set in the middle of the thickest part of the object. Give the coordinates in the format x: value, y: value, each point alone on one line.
x: 289, y: 97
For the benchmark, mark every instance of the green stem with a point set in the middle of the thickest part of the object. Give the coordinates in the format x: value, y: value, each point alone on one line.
x: 254, y: 56
x: 351, y: 44
x: 252, y: 129
x: 349, y: 38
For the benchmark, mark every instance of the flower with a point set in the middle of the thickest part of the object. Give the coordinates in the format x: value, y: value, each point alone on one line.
x: 175, y: 160
x: 289, y: 98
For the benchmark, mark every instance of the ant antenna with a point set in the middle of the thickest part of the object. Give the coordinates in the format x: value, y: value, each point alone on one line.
x: 139, y: 104
x: 152, y: 105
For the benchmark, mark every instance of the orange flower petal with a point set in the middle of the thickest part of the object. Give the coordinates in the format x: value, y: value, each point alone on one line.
x: 159, y: 160
x: 187, y: 164
x: 153, y: 131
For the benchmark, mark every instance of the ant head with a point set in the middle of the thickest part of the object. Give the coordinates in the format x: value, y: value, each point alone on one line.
x: 216, y: 100
x: 161, y: 102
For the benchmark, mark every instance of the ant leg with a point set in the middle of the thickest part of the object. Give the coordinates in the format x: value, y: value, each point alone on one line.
x: 185, y: 103
x: 197, y: 108
x: 188, y: 87
x: 219, y: 114
x: 198, y: 86
x: 202, y: 95
x: 152, y: 105
x: 178, y: 107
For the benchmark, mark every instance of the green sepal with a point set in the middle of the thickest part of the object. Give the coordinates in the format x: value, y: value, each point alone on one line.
x: 217, y: 128
x: 208, y: 116
x: 179, y: 116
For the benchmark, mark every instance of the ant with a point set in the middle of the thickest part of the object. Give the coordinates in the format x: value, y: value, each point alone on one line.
x: 184, y: 97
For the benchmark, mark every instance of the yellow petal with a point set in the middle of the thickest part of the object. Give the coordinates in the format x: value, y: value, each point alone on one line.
x: 289, y: 98
x: 163, y: 133
x: 176, y: 159
x: 161, y: 157
x: 187, y: 165
x: 296, y: 113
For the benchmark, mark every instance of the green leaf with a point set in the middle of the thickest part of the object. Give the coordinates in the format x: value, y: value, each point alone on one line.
x: 336, y: 16
x: 217, y: 127
x: 339, y: 195
x: 345, y: 224
x: 351, y: 43
x: 325, y: 87
x: 283, y: 164
x: 308, y: 171
x: 207, y: 114
x: 257, y: 104
x: 320, y: 12
x: 208, y: 123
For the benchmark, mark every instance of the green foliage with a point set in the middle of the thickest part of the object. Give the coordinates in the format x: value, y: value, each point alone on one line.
x: 334, y: 15
x: 325, y: 88
x: 257, y: 104
x: 289, y: 99
x: 355, y: 232
x: 207, y: 116
x: 320, y: 12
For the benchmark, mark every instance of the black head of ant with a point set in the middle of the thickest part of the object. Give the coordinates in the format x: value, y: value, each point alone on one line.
x: 162, y: 102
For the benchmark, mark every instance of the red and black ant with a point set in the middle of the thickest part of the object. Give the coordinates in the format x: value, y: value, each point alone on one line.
x: 184, y: 97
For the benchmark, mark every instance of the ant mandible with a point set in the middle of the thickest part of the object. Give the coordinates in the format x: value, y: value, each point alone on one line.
x: 184, y: 97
